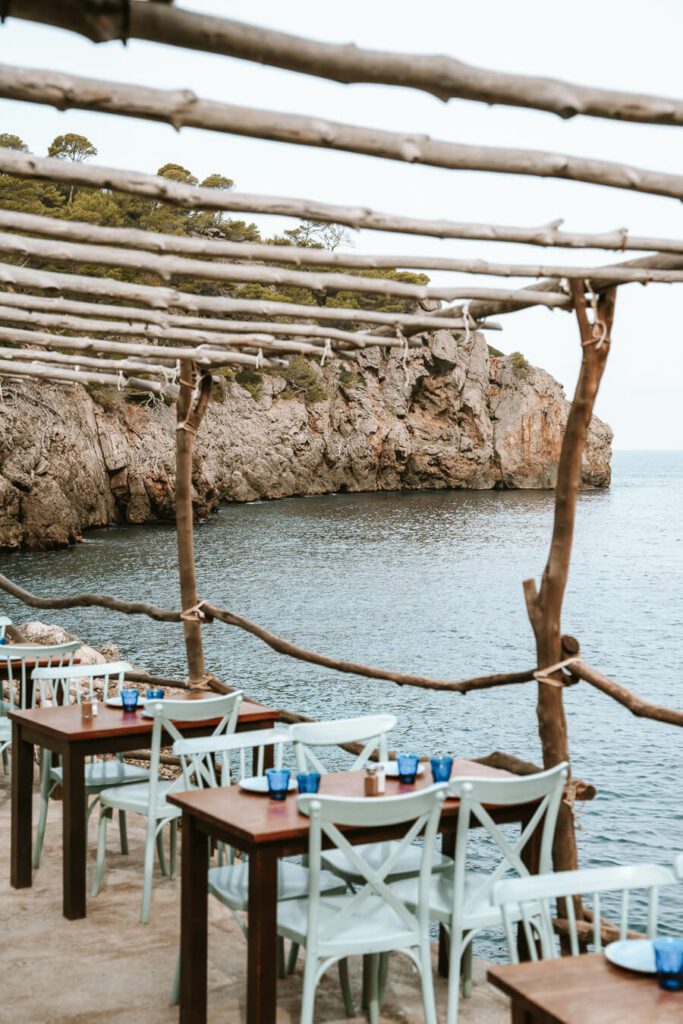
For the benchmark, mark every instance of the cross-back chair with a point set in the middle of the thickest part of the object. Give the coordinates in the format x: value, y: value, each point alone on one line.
x: 18, y: 661
x: 529, y: 900
x: 461, y: 900
x: 223, y: 761
x: 373, y: 920
x: 76, y: 683
x: 149, y: 798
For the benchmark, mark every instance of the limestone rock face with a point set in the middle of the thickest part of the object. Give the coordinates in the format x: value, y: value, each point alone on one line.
x: 448, y: 416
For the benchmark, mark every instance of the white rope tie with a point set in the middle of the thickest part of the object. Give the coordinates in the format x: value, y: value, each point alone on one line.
x: 404, y: 358
x: 194, y: 614
x: 120, y: 381
x: 599, y: 327
x: 327, y: 352
x: 259, y: 359
x: 466, y: 315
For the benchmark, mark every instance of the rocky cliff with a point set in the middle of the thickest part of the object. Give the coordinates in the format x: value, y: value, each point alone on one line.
x: 453, y: 416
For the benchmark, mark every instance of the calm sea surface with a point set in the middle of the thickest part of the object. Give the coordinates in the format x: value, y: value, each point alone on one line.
x: 431, y: 582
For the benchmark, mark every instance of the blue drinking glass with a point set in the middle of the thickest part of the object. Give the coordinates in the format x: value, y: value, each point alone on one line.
x: 308, y: 782
x: 441, y: 768
x: 669, y: 963
x: 3, y: 640
x: 278, y: 782
x: 407, y: 768
x: 155, y: 694
x: 129, y: 699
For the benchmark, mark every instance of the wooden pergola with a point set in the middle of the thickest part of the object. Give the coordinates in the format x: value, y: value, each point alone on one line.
x: 75, y: 328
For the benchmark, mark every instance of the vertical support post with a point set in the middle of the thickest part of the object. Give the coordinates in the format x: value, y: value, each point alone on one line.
x: 545, y: 604
x: 193, y: 398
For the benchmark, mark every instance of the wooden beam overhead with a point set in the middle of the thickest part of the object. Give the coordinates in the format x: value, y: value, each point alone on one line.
x: 441, y: 76
x: 196, y: 197
x: 182, y: 108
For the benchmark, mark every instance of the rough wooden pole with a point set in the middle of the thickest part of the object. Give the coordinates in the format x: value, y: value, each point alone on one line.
x: 545, y: 605
x: 193, y: 397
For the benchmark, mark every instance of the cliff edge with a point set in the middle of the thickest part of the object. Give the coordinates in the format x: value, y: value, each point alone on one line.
x: 452, y: 416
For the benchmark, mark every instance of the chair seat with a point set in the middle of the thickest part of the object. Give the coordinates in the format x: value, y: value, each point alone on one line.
x: 101, y: 774
x: 376, y: 854
x: 478, y: 911
x: 230, y: 884
x: 135, y: 798
x: 375, y: 929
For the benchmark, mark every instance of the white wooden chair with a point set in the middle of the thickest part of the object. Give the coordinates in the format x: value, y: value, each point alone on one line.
x: 149, y: 798
x: 236, y: 756
x: 57, y: 686
x: 461, y: 900
x: 373, y: 920
x: 372, y: 731
x: 529, y: 900
x: 18, y: 660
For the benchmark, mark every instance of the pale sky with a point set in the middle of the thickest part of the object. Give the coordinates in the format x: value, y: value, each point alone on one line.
x: 619, y: 44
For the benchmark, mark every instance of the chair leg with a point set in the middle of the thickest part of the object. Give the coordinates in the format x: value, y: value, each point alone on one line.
x: 467, y: 970
x: 175, y: 988
x: 383, y: 972
x: 308, y: 997
x: 281, y: 962
x: 343, y: 967
x: 454, y: 977
x: 149, y: 870
x: 427, y: 983
x: 373, y: 988
x: 42, y: 814
x: 173, y: 859
x: 5, y: 761
x: 366, y: 983
x: 293, y: 956
x: 123, y: 832
x: 105, y: 813
x: 161, y: 853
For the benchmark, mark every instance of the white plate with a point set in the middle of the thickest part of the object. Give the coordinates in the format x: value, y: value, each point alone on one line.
x: 116, y: 702
x: 259, y: 784
x: 391, y: 769
x: 633, y: 954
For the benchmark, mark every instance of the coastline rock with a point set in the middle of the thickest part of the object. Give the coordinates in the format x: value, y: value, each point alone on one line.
x: 452, y: 417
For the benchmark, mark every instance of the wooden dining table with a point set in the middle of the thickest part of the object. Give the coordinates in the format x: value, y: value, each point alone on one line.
x: 64, y: 731
x: 267, y: 830
x: 584, y: 989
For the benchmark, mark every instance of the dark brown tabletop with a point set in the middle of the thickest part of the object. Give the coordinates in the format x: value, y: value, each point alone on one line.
x: 63, y: 731
x: 269, y: 829
x: 584, y: 990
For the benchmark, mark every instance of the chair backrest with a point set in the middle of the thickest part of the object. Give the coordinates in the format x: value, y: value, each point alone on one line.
x: 210, y: 760
x: 4, y: 623
x: 167, y: 715
x: 369, y: 729
x: 19, y: 660
x: 678, y: 866
x: 528, y: 900
x: 475, y: 795
x: 420, y: 811
x: 58, y: 684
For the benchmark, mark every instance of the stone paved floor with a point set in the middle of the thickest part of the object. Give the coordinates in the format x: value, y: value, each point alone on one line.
x: 110, y: 969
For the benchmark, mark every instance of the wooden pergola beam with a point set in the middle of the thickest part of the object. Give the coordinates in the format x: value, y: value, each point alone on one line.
x: 59, y: 374
x: 185, y: 109
x: 441, y: 76
x: 196, y: 197
x: 169, y: 267
x: 146, y: 242
x: 173, y: 299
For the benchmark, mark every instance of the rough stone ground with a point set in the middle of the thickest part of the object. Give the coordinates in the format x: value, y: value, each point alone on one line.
x: 110, y: 969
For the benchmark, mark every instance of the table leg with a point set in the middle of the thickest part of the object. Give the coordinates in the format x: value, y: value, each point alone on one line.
x: 262, y: 937
x: 194, y: 898
x: 448, y: 849
x: 73, y: 833
x: 22, y: 809
x: 520, y: 1015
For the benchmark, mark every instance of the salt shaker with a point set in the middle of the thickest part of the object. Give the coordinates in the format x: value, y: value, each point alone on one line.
x: 372, y: 780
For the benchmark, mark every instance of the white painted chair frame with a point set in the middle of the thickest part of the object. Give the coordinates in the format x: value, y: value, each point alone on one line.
x: 474, y: 793
x: 199, y: 760
x: 323, y: 933
x: 528, y: 900
x: 371, y: 729
x: 51, y: 654
x: 155, y: 808
x: 57, y: 686
x: 678, y: 867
